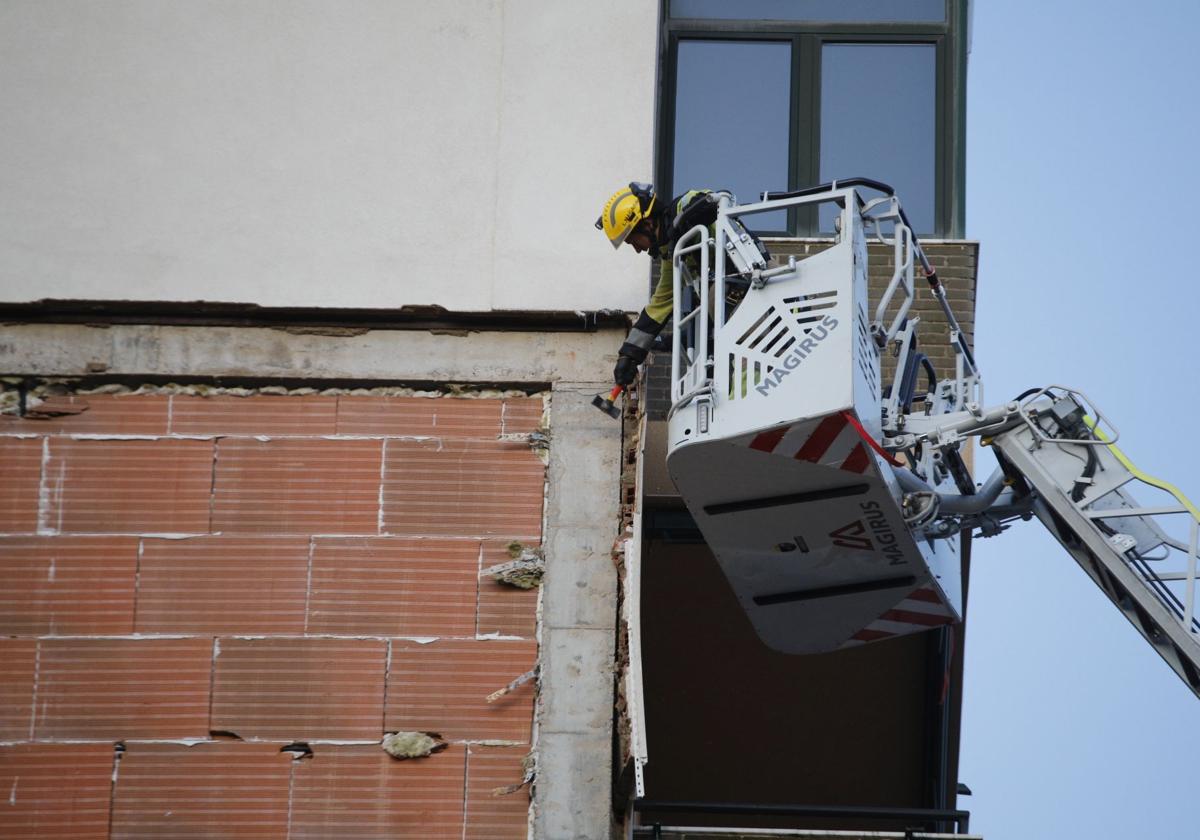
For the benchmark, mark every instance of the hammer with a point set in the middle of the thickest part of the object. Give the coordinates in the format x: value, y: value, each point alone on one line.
x: 605, y: 404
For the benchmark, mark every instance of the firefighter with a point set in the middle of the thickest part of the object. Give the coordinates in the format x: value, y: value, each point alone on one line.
x: 635, y: 216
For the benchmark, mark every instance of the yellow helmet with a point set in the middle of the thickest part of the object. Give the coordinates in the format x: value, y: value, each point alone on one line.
x: 625, y: 211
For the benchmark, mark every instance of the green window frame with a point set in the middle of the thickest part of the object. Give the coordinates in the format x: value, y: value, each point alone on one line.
x: 948, y: 37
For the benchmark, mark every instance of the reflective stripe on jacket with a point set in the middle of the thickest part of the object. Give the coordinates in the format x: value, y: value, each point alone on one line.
x: 654, y: 315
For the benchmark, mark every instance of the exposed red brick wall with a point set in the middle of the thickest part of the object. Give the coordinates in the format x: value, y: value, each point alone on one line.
x: 442, y: 686
x: 56, y: 790
x: 22, y: 479
x: 352, y: 791
x: 18, y: 663
x: 492, y: 810
x: 122, y: 688
x: 65, y: 585
x: 193, y: 584
x: 300, y: 689
x: 218, y: 789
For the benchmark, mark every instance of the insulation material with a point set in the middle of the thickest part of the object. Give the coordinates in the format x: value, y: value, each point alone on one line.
x: 404, y: 745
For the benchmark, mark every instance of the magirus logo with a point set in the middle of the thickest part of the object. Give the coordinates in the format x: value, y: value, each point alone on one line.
x: 857, y: 536
x: 852, y: 536
x: 798, y: 354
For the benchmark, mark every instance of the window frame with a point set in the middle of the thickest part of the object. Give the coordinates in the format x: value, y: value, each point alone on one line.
x: 807, y: 38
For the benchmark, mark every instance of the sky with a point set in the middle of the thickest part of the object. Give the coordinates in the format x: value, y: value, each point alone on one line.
x: 1083, y: 125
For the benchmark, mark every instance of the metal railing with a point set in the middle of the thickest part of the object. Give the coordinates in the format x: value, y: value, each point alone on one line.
x: 858, y: 816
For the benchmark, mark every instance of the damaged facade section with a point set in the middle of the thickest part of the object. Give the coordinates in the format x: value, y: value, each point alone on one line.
x: 228, y: 580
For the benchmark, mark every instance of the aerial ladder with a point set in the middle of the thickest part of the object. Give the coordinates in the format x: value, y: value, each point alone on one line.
x: 832, y: 500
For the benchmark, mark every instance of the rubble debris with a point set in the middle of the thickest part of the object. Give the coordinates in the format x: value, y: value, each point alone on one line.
x: 524, y: 571
x: 529, y: 765
x: 514, y: 685
x: 405, y: 745
x: 537, y: 440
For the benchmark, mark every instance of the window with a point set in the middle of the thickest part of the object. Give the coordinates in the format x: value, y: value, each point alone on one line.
x: 756, y: 75
x: 817, y: 90
x: 892, y: 138
x: 834, y: 11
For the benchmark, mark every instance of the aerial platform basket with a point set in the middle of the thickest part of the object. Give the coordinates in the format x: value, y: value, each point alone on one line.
x: 776, y: 411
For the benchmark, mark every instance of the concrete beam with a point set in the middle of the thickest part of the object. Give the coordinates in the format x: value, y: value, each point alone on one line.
x: 578, y: 629
x: 257, y: 352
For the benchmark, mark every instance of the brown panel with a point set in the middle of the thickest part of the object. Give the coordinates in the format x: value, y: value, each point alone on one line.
x: 128, y: 486
x: 222, y: 789
x: 18, y: 658
x: 123, y: 688
x: 504, y: 609
x: 437, y: 417
x: 297, y: 486
x: 462, y: 488
x: 522, y: 415
x: 55, y: 791
x: 394, y: 587
x: 360, y: 791
x: 842, y: 728
x: 223, y: 585
x: 491, y: 813
x: 260, y: 414
x: 22, y: 459
x: 299, y: 688
x: 98, y: 414
x: 443, y: 687
x: 67, y: 586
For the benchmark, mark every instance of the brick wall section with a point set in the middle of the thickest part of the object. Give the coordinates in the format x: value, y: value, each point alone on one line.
x: 957, y: 267
x: 56, y: 790
x: 194, y: 583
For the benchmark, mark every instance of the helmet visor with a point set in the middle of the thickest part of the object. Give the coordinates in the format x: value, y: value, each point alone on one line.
x: 619, y: 237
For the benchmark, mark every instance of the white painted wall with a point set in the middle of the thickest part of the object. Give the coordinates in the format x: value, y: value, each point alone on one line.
x: 360, y: 153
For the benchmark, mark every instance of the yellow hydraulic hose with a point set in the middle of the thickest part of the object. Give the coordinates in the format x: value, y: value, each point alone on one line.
x: 1141, y: 476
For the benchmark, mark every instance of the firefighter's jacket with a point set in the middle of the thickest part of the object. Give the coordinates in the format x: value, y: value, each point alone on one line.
x: 695, y: 207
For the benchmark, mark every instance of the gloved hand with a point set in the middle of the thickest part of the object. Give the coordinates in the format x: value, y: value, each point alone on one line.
x: 625, y: 371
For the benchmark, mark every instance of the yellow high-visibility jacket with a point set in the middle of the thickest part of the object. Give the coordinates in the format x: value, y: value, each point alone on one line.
x: 695, y: 207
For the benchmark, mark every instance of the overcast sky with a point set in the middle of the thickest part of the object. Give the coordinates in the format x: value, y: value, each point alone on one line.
x: 1082, y: 172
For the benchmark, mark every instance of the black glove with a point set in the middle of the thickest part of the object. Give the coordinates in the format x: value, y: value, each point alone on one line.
x: 625, y: 371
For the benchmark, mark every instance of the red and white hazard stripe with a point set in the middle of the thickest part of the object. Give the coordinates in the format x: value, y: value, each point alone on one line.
x: 831, y: 441
x: 922, y: 609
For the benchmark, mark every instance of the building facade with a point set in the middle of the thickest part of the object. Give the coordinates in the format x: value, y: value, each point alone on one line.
x: 304, y: 314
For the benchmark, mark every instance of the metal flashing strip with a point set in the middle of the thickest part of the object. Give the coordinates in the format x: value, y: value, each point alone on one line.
x: 632, y: 609
x: 933, y: 817
x: 315, y: 320
x: 681, y: 832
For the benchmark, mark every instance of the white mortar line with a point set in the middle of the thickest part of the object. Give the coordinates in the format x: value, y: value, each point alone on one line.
x: 466, y: 786
x: 478, y: 585
x: 137, y: 580
x: 382, y: 471
x: 387, y: 675
x: 312, y: 547
x: 37, y: 674
x: 43, y: 509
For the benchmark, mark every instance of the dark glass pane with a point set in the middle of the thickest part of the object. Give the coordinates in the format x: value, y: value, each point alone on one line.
x: 878, y: 121
x: 732, y: 102
x: 836, y: 11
